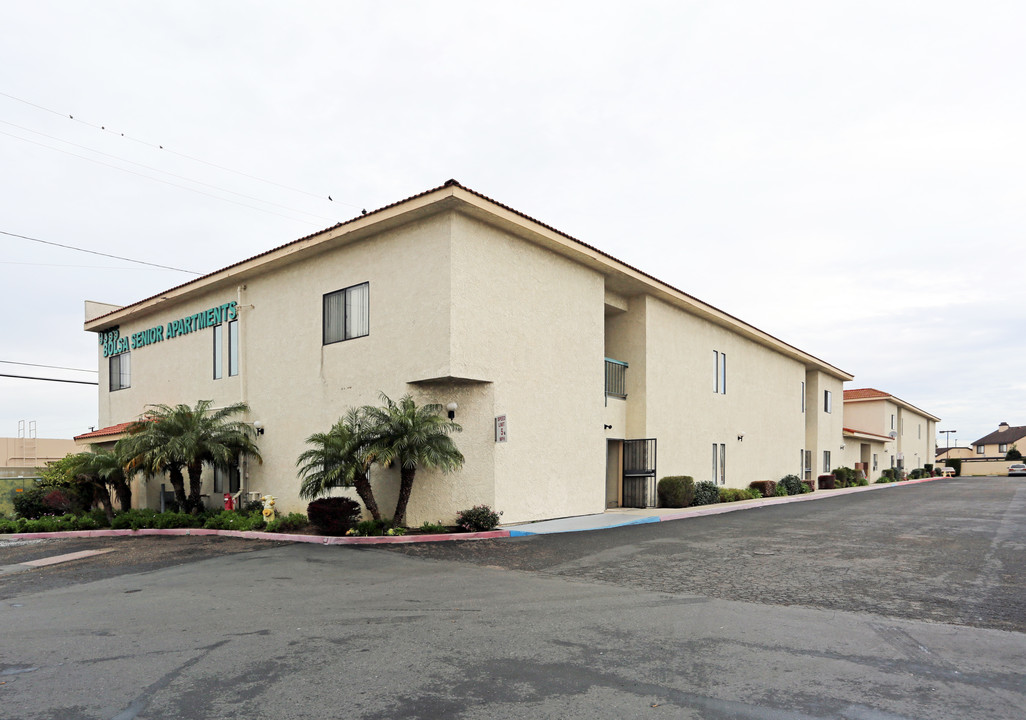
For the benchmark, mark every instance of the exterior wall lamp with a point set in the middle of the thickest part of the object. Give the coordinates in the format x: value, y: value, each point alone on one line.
x: 452, y: 408
x: 741, y: 437
x: 259, y: 427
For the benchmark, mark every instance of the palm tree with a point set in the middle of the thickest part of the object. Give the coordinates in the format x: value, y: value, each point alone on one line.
x: 102, y: 470
x: 180, y: 440
x: 411, y: 437
x: 339, y: 458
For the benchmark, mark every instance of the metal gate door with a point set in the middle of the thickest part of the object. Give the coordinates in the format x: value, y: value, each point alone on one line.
x: 639, y: 473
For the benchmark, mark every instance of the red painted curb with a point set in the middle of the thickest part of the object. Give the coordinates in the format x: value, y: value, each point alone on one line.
x: 258, y: 535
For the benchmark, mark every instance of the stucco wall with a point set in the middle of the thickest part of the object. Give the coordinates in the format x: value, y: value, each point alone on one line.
x: 531, y: 322
x: 686, y: 415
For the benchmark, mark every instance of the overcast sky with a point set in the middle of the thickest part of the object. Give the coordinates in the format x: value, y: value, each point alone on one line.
x: 847, y: 176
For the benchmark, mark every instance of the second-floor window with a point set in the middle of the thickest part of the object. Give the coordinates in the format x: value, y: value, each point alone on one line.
x: 121, y: 371
x: 347, y: 313
x: 980, y: 449
x: 719, y: 372
x: 827, y: 401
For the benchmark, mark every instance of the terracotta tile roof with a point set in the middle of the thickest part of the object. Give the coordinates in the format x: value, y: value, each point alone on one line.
x: 107, y: 431
x: 865, y: 394
x: 998, y: 437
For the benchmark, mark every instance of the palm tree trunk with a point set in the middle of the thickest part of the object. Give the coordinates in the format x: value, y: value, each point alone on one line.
x: 195, y: 487
x: 178, y: 483
x: 123, y: 491
x: 405, y: 487
x: 363, y: 489
x: 103, y: 495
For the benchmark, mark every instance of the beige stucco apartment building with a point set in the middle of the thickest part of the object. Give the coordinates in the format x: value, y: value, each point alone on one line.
x: 883, y: 431
x: 579, y: 379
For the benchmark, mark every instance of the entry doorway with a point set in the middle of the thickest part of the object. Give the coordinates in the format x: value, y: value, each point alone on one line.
x: 614, y: 473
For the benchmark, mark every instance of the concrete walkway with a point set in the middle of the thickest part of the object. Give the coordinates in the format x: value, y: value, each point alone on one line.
x: 639, y: 516
x: 601, y: 521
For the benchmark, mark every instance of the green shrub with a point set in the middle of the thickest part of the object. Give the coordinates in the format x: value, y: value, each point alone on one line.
x: 1013, y: 454
x: 433, y: 528
x: 289, y: 523
x: 956, y: 464
x: 30, y: 503
x: 792, y: 485
x: 479, y: 518
x: 706, y: 493
x: 370, y: 528
x: 231, y: 520
x: 134, y: 519
x: 169, y: 520
x: 928, y: 467
x: 765, y: 488
x: 676, y: 491
x: 333, y: 515
x: 735, y: 494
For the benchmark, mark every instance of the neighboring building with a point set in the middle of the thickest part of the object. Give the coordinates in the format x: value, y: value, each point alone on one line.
x: 579, y: 379
x: 956, y: 453
x: 883, y: 431
x: 986, y: 456
x: 22, y: 456
x: 997, y: 444
x: 21, y: 459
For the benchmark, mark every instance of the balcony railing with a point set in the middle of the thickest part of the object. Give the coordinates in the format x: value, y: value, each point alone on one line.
x: 616, y: 378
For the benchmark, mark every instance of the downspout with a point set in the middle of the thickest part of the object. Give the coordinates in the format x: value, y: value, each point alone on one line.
x: 244, y: 470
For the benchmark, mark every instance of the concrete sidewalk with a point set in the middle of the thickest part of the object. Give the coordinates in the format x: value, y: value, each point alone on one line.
x: 621, y: 517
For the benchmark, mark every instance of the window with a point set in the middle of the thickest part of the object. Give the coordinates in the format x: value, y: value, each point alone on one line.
x: 892, y: 421
x: 347, y: 314
x: 803, y: 396
x: 874, y: 461
x: 233, y: 347
x: 1003, y: 447
x: 826, y: 461
x: 719, y: 372
x: 920, y: 430
x: 827, y: 401
x: 121, y: 371
x: 218, y: 333
x: 719, y: 464
x: 231, y: 475
x: 980, y: 449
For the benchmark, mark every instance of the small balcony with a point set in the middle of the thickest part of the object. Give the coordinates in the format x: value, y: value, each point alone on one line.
x: 616, y: 378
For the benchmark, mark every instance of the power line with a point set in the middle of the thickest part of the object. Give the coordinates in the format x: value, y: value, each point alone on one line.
x: 150, y: 167
x: 52, y: 367
x: 29, y: 377
x: 158, y: 146
x: 63, y: 265
x: 148, y: 177
x: 95, y: 252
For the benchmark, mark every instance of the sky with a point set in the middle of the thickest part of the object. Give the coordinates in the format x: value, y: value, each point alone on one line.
x: 849, y: 177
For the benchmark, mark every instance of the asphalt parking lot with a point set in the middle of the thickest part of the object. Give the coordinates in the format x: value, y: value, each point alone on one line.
x: 902, y: 603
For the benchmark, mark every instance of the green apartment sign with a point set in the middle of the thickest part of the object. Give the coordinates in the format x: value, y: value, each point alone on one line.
x: 114, y: 344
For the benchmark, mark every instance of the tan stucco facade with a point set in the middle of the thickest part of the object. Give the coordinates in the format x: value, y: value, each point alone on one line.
x: 886, y: 432
x: 473, y: 303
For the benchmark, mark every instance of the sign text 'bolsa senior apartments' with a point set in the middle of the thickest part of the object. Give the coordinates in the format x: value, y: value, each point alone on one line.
x: 114, y: 344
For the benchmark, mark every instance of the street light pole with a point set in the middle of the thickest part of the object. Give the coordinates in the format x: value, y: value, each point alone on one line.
x: 947, y: 440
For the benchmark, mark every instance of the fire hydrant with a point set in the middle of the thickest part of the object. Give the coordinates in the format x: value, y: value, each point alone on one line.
x: 268, y: 511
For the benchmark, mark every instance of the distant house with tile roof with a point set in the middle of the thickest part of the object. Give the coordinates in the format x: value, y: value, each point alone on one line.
x: 884, y: 431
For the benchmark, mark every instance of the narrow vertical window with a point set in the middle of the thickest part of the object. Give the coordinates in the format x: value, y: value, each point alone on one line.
x: 233, y: 347
x: 716, y: 463
x: 826, y: 461
x: 218, y: 351
x: 120, y: 371
x: 723, y: 464
x: 803, y: 396
x: 827, y: 401
x: 719, y: 372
